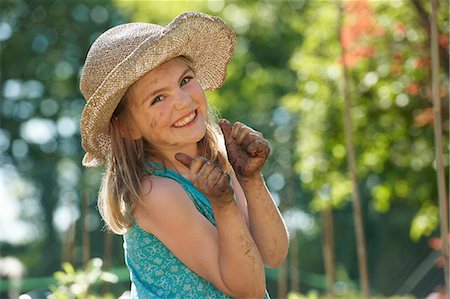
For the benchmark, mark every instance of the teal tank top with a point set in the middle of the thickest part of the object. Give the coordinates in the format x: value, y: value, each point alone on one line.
x: 154, y: 271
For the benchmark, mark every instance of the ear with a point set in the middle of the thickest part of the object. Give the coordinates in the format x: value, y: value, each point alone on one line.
x: 126, y: 130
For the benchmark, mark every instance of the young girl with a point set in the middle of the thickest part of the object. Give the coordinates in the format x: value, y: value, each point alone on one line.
x: 189, y: 230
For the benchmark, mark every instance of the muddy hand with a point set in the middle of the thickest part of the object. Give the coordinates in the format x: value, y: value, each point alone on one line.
x: 209, y: 179
x: 247, y: 149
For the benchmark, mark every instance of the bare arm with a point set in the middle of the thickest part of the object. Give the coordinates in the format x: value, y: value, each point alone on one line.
x: 266, y: 224
x: 225, y: 255
x: 248, y: 151
x: 215, y: 254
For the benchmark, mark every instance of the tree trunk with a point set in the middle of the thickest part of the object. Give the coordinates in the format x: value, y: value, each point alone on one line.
x: 442, y: 188
x: 351, y: 158
x: 85, y: 229
x: 107, y: 253
x: 328, y: 249
x: 294, y: 270
x: 107, y: 257
x: 282, y: 280
x: 69, y: 244
x: 425, y: 18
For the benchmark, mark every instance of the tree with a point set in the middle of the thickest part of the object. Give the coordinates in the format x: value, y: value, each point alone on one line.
x: 394, y: 139
x: 43, y: 47
x: 283, y: 80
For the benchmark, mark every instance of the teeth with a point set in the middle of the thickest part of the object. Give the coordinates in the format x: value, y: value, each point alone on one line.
x: 186, y: 120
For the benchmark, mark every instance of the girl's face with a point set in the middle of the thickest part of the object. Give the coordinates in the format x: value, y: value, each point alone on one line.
x: 168, y: 108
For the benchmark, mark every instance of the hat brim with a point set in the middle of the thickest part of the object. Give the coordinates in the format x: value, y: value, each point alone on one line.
x: 205, y: 40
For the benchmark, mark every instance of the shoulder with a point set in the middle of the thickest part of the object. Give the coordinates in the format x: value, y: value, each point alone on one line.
x: 161, y: 191
x: 162, y: 200
x: 154, y: 185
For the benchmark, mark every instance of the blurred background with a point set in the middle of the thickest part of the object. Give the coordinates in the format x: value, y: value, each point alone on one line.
x: 292, y: 61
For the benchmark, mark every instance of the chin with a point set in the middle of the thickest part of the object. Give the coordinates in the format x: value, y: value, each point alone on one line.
x: 198, y: 137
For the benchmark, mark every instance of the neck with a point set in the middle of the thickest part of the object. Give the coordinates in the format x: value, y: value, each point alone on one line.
x: 168, y: 157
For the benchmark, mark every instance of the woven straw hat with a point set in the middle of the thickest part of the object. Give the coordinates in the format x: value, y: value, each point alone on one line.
x: 123, y: 54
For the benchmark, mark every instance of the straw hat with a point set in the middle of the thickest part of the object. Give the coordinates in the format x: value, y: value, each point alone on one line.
x: 123, y: 54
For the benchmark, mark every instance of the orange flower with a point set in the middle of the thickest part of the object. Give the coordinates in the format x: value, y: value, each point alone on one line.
x: 422, y: 62
x: 413, y: 89
x: 424, y: 117
x: 400, y: 28
x: 357, y: 31
x: 443, y: 41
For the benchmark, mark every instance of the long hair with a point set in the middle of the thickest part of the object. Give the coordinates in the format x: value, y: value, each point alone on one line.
x: 127, y: 166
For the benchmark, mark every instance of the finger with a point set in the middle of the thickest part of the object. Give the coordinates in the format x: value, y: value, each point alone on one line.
x: 224, y: 182
x: 225, y: 126
x: 242, y: 132
x: 248, y: 139
x: 234, y: 131
x: 258, y: 148
x: 230, y: 143
x: 197, y: 164
x: 184, y: 159
x: 213, y: 178
x: 203, y: 174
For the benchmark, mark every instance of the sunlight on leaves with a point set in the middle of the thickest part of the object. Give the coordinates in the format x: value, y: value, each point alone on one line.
x: 382, y: 198
x: 425, y: 221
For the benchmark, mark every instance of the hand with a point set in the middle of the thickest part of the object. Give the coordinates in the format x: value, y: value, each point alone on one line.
x: 247, y: 149
x: 209, y: 179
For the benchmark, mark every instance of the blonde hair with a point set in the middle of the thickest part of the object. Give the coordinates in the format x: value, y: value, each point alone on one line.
x: 127, y: 166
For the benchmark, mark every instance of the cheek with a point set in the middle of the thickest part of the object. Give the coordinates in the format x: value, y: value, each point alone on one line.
x: 202, y: 103
x: 154, y: 119
x: 152, y: 133
x: 156, y: 124
x: 160, y: 116
x: 145, y: 123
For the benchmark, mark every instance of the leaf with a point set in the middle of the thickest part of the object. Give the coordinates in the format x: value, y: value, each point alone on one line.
x: 60, y: 276
x: 425, y: 221
x: 95, y: 263
x: 382, y: 198
x: 293, y: 295
x: 68, y: 268
x: 109, y: 277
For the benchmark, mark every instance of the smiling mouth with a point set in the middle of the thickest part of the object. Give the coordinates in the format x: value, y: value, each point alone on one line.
x: 185, y: 120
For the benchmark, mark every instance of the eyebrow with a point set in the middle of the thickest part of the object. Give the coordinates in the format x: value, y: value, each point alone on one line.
x: 155, y: 92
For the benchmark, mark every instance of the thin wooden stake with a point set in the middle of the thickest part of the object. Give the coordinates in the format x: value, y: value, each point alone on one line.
x: 282, y: 279
x: 351, y: 157
x: 107, y: 251
x: 69, y: 244
x: 85, y: 229
x: 443, y: 199
x: 294, y: 270
x: 328, y: 249
x: 107, y: 257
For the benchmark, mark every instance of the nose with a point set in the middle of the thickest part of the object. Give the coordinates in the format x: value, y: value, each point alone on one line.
x: 181, y: 99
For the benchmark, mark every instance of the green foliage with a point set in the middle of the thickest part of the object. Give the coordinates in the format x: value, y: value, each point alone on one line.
x: 285, y: 80
x: 390, y: 100
x: 43, y: 46
x: 425, y: 221
x: 158, y: 12
x: 78, y: 284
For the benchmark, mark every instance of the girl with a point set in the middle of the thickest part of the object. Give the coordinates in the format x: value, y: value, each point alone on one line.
x: 189, y: 231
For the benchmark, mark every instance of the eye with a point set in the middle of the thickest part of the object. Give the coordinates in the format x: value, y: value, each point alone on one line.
x: 185, y: 80
x: 157, y: 100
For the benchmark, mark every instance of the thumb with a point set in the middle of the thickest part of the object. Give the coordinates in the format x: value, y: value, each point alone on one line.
x: 225, y: 126
x: 184, y: 159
